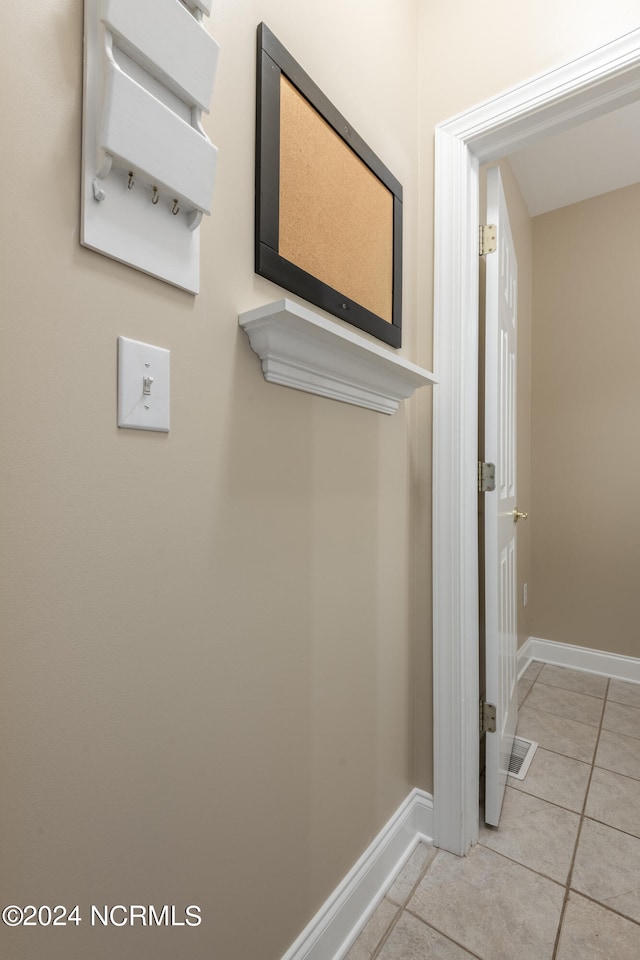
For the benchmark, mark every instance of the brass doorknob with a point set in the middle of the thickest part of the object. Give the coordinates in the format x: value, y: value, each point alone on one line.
x: 517, y: 515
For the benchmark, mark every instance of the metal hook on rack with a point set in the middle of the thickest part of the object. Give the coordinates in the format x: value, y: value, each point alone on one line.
x: 131, y: 181
x: 175, y: 210
x: 155, y: 197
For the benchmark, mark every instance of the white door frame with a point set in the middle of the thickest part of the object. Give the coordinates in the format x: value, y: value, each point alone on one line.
x: 589, y: 86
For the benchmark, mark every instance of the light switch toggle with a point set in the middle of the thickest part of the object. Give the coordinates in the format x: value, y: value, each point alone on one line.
x: 146, y: 386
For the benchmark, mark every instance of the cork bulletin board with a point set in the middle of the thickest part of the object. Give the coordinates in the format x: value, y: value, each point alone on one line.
x: 328, y: 212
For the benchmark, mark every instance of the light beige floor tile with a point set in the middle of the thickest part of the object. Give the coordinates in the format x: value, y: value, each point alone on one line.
x: 374, y: 931
x: 607, y: 868
x: 492, y: 907
x: 568, y: 737
x: 589, y: 932
x: 565, y: 703
x: 406, y: 880
x: 358, y: 952
x: 623, y: 692
x: 523, y: 689
x: 535, y: 833
x: 619, y: 753
x: 555, y: 778
x: 622, y: 719
x: 576, y: 680
x: 411, y: 939
x: 615, y: 800
x: 532, y: 671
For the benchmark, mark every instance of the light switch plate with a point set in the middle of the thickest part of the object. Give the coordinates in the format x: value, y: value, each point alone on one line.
x: 143, y: 386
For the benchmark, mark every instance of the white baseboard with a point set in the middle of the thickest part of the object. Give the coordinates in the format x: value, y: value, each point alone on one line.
x: 341, y: 918
x: 578, y: 658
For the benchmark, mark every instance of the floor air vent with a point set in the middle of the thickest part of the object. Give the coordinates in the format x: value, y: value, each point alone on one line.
x: 521, y: 756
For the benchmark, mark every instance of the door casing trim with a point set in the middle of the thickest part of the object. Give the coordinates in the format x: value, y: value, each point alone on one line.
x: 584, y: 88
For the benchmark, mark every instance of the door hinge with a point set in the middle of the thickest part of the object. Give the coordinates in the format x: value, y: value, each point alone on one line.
x: 488, y: 241
x: 486, y: 477
x: 487, y: 717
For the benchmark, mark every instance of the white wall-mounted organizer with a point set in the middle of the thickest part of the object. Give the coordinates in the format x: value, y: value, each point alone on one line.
x: 148, y: 166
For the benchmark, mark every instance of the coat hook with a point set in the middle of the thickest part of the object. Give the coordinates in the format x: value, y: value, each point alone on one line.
x: 155, y: 197
x: 131, y: 181
x: 98, y: 189
x: 175, y: 210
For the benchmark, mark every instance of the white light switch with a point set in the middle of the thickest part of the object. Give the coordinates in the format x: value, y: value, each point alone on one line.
x: 143, y: 386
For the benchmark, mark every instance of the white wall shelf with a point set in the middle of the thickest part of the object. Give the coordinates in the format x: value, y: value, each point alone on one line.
x: 300, y: 348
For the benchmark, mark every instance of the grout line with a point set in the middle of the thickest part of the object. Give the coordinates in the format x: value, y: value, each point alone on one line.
x: 567, y: 890
x: 519, y: 863
x: 581, y: 693
x: 599, y: 903
x: 618, y: 774
x: 561, y: 716
x: 610, y: 826
x: 387, y: 933
x: 559, y: 753
x: 524, y: 699
x: 446, y: 936
x: 405, y: 909
x: 421, y: 877
x: 401, y: 908
x: 553, y: 803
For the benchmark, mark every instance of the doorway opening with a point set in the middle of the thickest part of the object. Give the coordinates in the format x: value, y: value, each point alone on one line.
x: 590, y: 86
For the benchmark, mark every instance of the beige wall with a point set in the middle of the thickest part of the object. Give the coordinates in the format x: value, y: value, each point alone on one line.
x: 207, y: 636
x: 586, y: 398
x: 216, y: 643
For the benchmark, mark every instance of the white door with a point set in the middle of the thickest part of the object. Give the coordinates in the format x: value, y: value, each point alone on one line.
x: 500, y: 516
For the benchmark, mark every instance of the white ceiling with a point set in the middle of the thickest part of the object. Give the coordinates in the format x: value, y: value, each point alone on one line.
x: 594, y: 158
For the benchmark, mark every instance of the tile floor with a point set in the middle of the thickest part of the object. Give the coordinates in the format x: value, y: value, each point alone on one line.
x: 559, y: 879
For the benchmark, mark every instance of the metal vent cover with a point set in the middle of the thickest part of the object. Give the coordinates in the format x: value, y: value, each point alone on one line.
x: 521, y: 756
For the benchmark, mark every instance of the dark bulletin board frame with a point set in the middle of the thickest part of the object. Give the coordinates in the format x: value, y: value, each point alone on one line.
x: 273, y: 61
